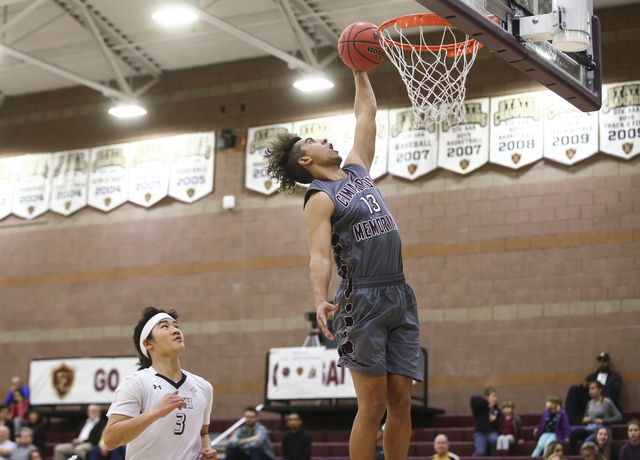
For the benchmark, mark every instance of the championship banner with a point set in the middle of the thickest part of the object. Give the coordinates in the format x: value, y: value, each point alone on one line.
x: 192, y: 166
x: 255, y: 172
x: 108, y: 176
x: 6, y: 186
x: 307, y: 373
x: 620, y: 119
x: 32, y: 185
x: 379, y: 163
x: 322, y: 128
x: 465, y: 147
x: 570, y: 135
x: 69, y: 183
x: 516, y: 130
x: 77, y: 380
x: 412, y: 153
x: 149, y: 171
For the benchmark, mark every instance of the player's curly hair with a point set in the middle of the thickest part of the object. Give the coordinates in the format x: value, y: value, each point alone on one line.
x: 283, y: 155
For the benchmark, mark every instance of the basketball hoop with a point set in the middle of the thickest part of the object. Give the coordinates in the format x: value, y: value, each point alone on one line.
x: 435, y: 75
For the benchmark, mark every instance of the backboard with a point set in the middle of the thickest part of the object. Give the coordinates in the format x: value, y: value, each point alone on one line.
x: 575, y: 76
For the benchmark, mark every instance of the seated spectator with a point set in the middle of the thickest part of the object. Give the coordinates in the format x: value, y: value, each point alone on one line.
x: 16, y: 383
x: 486, y: 415
x: 296, y: 444
x: 600, y: 411
x: 578, y: 395
x: 24, y: 445
x: 441, y: 446
x: 6, y: 444
x: 35, y: 455
x: 251, y: 441
x: 509, y: 427
x: 602, y: 438
x: 631, y: 449
x: 100, y: 452
x: 5, y: 420
x: 589, y: 451
x: 379, y: 444
x: 554, y: 425
x: 18, y: 409
x: 554, y: 449
x: 88, y: 436
x: 39, y: 430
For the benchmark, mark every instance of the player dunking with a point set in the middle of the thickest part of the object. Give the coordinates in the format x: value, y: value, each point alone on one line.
x: 161, y: 411
x: 376, y: 319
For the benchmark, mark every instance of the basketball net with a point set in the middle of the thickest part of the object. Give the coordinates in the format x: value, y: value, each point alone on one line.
x: 435, y: 75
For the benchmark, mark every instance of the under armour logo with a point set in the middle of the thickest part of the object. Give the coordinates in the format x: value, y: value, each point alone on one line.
x: 155, y: 387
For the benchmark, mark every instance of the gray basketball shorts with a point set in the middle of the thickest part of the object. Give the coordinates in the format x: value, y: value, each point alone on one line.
x: 377, y: 327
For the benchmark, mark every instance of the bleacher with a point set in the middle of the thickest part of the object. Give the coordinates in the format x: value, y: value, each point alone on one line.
x: 334, y: 444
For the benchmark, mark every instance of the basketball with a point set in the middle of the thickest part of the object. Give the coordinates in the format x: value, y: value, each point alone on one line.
x: 359, y: 46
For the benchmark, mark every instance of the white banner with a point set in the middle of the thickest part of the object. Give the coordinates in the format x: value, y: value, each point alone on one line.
x: 516, y: 129
x: 32, y: 188
x: 465, y: 148
x: 149, y: 171
x: 380, y: 158
x: 77, y: 380
x: 192, y: 166
x: 255, y: 172
x: 108, y: 176
x: 69, y: 183
x: 570, y: 135
x: 307, y: 373
x: 412, y: 153
x: 620, y: 119
x: 6, y: 186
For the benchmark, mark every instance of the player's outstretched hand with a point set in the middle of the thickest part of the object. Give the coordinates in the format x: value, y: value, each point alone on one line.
x: 169, y: 402
x: 322, y: 309
x: 208, y: 453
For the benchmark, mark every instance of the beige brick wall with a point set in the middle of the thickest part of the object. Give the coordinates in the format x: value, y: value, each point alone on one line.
x: 522, y: 277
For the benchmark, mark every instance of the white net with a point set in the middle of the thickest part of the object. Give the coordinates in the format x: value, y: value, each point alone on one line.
x: 435, y: 75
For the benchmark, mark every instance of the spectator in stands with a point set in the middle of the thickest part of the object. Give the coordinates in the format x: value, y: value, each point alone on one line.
x: 554, y: 449
x: 6, y: 444
x: 39, y: 430
x: 554, y: 425
x: 631, y: 449
x: 18, y: 409
x: 296, y: 444
x: 16, y: 383
x: 486, y: 415
x: 35, y: 455
x: 24, y: 445
x: 251, y: 441
x: 578, y: 395
x: 602, y: 438
x: 379, y: 444
x: 589, y: 451
x: 87, y: 436
x: 5, y: 419
x: 509, y: 427
x: 101, y: 452
x: 441, y: 446
x: 600, y: 411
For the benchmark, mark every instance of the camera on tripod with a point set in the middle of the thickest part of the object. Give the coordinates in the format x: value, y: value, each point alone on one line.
x: 311, y: 317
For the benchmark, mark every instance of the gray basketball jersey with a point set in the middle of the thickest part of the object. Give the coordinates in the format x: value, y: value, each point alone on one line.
x: 364, y: 237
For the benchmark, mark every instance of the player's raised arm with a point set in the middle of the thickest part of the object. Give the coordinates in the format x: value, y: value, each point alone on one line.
x: 365, y: 134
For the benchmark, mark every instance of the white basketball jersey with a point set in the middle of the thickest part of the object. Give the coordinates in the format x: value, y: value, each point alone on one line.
x: 175, y: 436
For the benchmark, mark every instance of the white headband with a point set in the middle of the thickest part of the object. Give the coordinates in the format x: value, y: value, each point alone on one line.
x: 146, y: 330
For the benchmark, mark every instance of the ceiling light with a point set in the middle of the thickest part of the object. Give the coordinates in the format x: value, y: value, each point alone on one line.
x: 175, y: 15
x: 127, y: 111
x: 313, y: 84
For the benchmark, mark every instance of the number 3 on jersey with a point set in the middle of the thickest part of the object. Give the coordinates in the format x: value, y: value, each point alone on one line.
x: 181, y: 420
x: 371, y: 203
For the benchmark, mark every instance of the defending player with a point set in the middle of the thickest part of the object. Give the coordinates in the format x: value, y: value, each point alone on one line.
x: 376, y: 322
x: 161, y: 411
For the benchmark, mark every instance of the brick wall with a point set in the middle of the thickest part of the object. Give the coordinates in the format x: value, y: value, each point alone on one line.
x: 522, y: 277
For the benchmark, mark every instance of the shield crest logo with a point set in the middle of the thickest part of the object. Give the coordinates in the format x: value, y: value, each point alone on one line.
x: 412, y: 168
x: 268, y: 184
x: 571, y: 153
x: 627, y: 147
x: 190, y: 192
x: 147, y: 197
x: 464, y: 164
x: 107, y: 202
x: 516, y: 158
x: 62, y: 378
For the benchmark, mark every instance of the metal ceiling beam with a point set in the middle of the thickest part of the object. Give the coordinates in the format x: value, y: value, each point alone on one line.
x: 286, y: 57
x: 19, y: 17
x: 304, y: 41
x: 105, y: 90
x: 329, y: 33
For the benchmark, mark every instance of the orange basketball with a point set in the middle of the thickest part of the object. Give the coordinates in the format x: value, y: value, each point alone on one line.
x: 359, y: 46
